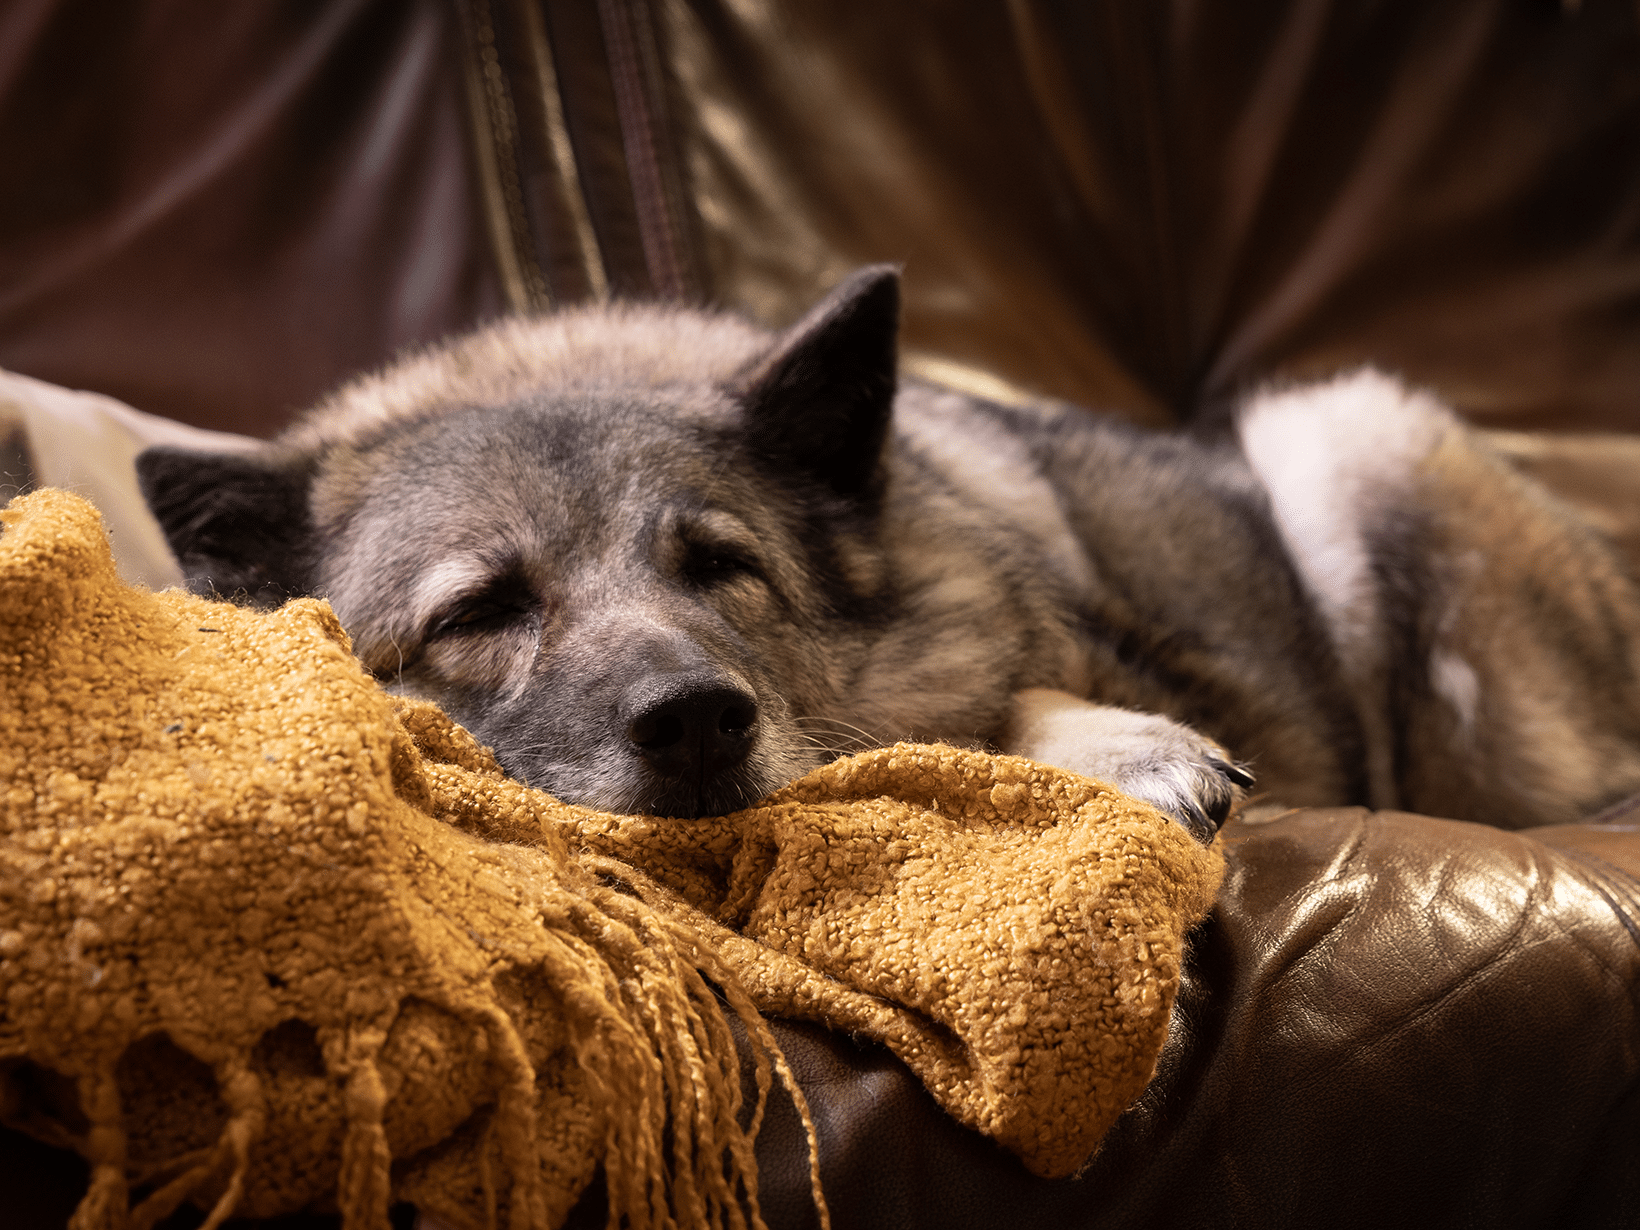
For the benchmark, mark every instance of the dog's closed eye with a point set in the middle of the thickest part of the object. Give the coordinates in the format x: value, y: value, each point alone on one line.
x: 504, y: 603
x: 710, y: 564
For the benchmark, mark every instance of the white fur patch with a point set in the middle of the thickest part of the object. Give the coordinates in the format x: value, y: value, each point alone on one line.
x: 1456, y: 682
x: 1331, y: 456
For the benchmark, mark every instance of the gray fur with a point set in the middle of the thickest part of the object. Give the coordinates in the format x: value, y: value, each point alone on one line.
x: 569, y: 529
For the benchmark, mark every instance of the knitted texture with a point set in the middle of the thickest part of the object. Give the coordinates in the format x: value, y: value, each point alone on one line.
x: 272, y: 940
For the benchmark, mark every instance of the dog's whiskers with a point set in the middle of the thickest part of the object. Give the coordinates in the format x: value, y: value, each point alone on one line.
x: 834, y: 735
x: 805, y: 738
x: 816, y: 718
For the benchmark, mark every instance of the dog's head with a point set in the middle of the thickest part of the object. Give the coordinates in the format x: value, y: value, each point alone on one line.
x: 627, y: 548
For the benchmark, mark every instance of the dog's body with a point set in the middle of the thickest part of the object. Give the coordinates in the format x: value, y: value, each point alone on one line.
x: 663, y: 561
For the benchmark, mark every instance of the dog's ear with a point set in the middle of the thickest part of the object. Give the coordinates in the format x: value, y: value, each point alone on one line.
x: 819, y: 402
x: 237, y: 522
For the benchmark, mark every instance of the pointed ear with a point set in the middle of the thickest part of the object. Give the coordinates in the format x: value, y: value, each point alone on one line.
x: 235, y: 521
x: 819, y: 402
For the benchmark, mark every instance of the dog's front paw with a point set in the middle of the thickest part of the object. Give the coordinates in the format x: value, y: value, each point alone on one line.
x: 1153, y: 758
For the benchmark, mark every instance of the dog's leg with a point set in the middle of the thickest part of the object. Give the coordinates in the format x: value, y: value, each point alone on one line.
x: 1490, y: 638
x: 1152, y: 758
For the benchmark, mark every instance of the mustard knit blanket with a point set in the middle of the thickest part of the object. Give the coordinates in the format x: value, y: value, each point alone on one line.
x: 271, y: 940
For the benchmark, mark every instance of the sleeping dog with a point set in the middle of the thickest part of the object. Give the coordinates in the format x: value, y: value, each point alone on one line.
x: 664, y: 561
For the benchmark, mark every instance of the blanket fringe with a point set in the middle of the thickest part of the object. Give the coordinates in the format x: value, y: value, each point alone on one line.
x: 513, y: 1125
x: 243, y: 1094
x: 106, y: 1203
x: 245, y: 1099
x: 363, y: 1187
x: 712, y: 1099
x: 765, y: 1046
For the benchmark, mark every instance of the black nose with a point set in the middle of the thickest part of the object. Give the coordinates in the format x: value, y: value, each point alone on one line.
x: 692, y: 726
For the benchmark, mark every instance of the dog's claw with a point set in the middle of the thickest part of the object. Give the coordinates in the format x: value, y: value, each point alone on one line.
x: 1203, y: 810
x: 1198, y: 823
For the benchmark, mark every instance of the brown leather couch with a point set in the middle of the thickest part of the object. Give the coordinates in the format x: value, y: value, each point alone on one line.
x: 1389, y: 1020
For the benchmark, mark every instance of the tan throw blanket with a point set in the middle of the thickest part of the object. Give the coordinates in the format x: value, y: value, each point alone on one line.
x: 270, y: 940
